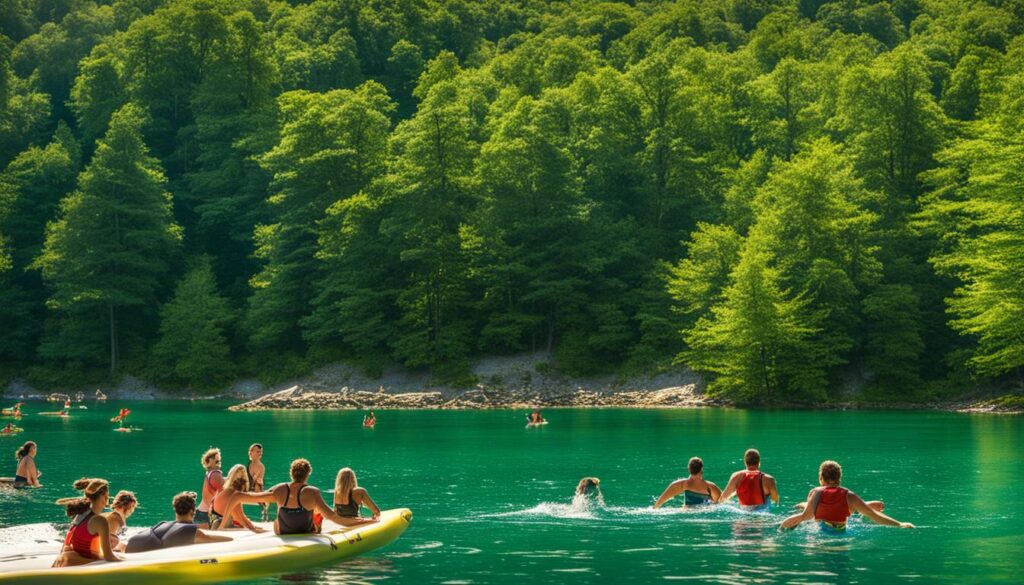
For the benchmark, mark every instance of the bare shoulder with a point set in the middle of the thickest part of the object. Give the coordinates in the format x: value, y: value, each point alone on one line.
x: 713, y: 485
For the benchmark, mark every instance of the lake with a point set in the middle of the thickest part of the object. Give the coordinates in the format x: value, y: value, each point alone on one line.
x: 492, y: 499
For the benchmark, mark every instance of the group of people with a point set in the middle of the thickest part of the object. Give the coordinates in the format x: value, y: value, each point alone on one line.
x: 95, y: 535
x: 830, y: 504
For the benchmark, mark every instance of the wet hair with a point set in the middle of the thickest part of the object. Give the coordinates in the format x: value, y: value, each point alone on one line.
x: 300, y: 470
x: 345, y: 483
x: 830, y: 472
x: 124, y: 500
x: 184, y: 503
x: 696, y: 465
x: 238, y: 478
x: 209, y: 455
x: 24, y: 449
x: 92, y: 490
x: 752, y: 458
x: 585, y: 484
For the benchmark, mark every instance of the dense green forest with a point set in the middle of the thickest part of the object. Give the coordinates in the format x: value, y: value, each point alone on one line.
x: 785, y: 195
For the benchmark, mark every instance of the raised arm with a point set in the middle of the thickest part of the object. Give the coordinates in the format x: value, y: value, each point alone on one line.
x: 328, y: 512
x: 806, y: 514
x: 858, y: 505
x: 730, y: 488
x: 674, y: 489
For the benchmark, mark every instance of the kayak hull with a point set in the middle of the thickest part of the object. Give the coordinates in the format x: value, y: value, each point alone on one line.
x: 250, y: 556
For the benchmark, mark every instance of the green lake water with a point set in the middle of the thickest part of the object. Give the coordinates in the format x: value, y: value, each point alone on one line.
x: 492, y: 500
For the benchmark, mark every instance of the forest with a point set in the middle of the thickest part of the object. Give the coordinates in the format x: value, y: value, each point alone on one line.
x: 789, y: 197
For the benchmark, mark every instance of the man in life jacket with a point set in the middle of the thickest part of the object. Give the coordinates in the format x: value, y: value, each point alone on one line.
x: 753, y: 487
x: 832, y: 504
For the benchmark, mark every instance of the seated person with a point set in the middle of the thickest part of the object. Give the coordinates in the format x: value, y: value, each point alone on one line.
x: 349, y: 497
x: 831, y: 504
x: 695, y: 489
x: 88, y: 538
x: 124, y: 505
x: 226, y: 506
x: 180, y: 532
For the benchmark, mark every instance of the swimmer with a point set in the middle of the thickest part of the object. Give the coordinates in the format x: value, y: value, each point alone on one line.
x: 27, y: 475
x: 695, y: 489
x: 753, y: 487
x: 832, y: 504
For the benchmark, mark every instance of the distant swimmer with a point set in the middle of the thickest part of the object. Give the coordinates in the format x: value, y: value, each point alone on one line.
x: 369, y: 420
x: 349, y: 497
x: 831, y: 505
x: 695, y: 489
x: 27, y: 475
x: 10, y: 429
x: 535, y: 418
x: 257, y: 472
x: 226, y: 506
x: 121, y: 509
x: 213, y: 481
x: 181, y: 532
x: 589, y: 486
x: 88, y: 539
x: 753, y: 487
x: 299, y: 503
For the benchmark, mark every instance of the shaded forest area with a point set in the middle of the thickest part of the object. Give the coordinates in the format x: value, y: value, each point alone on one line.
x: 784, y: 195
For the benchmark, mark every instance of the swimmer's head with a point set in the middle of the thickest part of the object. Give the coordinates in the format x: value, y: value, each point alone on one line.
x: 752, y: 458
x: 830, y: 473
x: 696, y: 465
x: 586, y: 484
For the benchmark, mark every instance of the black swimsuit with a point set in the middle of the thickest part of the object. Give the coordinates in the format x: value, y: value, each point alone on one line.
x: 294, y: 520
x: 349, y: 510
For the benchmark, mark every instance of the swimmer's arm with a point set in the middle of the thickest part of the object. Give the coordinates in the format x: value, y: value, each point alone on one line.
x: 367, y: 501
x: 730, y: 488
x: 857, y: 505
x: 674, y: 489
x: 321, y: 506
x: 773, y: 490
x: 202, y: 537
x: 99, y: 526
x: 806, y: 514
x: 715, y: 491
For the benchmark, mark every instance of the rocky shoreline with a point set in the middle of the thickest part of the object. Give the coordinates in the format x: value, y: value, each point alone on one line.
x: 298, y: 398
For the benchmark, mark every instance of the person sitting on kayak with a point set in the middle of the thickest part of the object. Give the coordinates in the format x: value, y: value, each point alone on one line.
x: 753, y: 487
x: 535, y: 417
x: 348, y: 496
x: 9, y: 428
x: 181, y: 532
x: 369, y: 420
x: 295, y: 513
x: 257, y: 472
x: 832, y: 504
x: 88, y: 539
x: 27, y: 475
x: 212, y: 483
x: 226, y: 507
x: 124, y: 506
x: 695, y: 489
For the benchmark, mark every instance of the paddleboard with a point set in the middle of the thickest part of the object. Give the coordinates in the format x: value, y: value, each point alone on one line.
x: 127, y: 429
x: 53, y: 414
x: 14, y: 431
x: 248, y: 556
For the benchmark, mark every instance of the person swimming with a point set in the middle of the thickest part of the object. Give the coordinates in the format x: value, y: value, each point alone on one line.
x: 88, y: 538
x: 182, y: 531
x: 695, y: 489
x: 213, y: 481
x: 226, y: 506
x: 535, y: 417
x: 349, y: 497
x: 295, y: 514
x: 831, y: 504
x: 257, y: 472
x: 369, y: 420
x: 27, y: 475
x: 123, y: 506
x: 754, y: 489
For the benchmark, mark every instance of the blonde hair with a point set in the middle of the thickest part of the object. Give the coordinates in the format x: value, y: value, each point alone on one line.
x: 238, y: 478
x: 344, y: 484
x: 124, y: 500
x: 208, y: 456
x: 92, y: 490
x: 831, y: 472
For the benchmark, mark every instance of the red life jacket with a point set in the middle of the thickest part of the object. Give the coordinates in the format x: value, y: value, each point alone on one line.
x: 750, y: 491
x: 832, y: 505
x: 80, y: 540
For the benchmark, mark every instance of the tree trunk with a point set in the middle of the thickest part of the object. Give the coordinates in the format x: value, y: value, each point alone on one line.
x: 113, y: 338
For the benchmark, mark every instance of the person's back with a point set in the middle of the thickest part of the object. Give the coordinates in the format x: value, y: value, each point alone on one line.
x: 181, y: 531
x: 754, y: 489
x: 831, y: 504
x: 696, y: 491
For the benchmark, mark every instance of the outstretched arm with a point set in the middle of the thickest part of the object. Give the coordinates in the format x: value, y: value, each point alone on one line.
x: 674, y: 489
x: 806, y: 514
x: 858, y: 505
x: 202, y: 537
x: 329, y: 513
x: 730, y: 488
x: 266, y: 497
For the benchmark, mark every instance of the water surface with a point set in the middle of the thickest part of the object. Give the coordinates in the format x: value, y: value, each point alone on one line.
x: 492, y: 500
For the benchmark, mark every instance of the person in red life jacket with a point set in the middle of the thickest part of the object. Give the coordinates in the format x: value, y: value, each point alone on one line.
x: 88, y: 538
x: 213, y: 482
x: 753, y: 488
x: 832, y: 504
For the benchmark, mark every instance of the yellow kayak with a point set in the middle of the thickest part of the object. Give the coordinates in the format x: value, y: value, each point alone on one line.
x: 249, y: 556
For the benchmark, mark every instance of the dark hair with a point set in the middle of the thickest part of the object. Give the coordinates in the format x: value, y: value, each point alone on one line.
x: 696, y: 465
x: 831, y: 472
x: 92, y: 490
x: 752, y: 458
x: 24, y: 449
x: 124, y: 499
x: 300, y: 470
x: 184, y: 503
